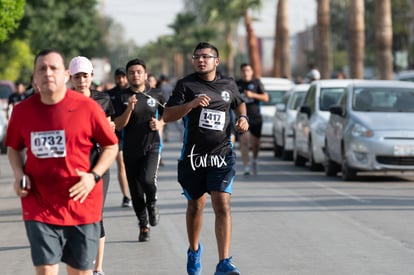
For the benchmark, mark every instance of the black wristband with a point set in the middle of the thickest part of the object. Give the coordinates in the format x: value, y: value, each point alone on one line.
x: 245, y: 116
x: 96, y: 176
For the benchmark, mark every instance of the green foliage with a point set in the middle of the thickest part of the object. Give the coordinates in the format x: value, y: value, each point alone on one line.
x: 17, y: 59
x: 73, y: 27
x: 11, y: 11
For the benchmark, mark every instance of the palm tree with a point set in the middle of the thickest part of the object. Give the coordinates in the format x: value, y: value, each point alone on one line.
x: 356, y: 39
x: 281, y: 62
x: 323, y: 37
x: 225, y: 15
x: 383, y: 38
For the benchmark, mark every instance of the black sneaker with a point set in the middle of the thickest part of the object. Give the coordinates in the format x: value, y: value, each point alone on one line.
x: 126, y: 202
x: 153, y: 214
x: 144, y: 234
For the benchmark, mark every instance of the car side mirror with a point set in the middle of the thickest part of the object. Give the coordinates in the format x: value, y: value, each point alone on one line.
x: 336, y: 110
x: 305, y: 109
x: 280, y: 107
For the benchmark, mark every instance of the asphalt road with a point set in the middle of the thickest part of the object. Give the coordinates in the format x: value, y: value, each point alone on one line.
x: 286, y: 220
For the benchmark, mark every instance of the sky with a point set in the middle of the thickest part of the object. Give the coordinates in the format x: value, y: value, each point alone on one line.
x: 145, y: 20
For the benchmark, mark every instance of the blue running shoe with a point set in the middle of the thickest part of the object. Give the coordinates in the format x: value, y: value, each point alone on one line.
x: 194, y: 261
x: 225, y: 267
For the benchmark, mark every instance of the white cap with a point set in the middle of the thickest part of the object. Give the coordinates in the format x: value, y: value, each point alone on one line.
x: 80, y: 64
x: 314, y: 74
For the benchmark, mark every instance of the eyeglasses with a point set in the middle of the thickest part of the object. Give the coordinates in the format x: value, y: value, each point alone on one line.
x: 203, y: 56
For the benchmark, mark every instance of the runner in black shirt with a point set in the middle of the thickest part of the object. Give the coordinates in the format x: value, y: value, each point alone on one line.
x: 207, y: 163
x: 253, y: 94
x: 121, y: 82
x: 139, y: 113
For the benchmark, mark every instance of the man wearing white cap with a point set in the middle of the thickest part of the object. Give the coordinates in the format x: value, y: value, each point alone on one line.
x: 81, y: 75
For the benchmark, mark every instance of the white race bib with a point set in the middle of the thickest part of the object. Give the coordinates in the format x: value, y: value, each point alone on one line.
x: 212, y: 119
x: 48, y: 144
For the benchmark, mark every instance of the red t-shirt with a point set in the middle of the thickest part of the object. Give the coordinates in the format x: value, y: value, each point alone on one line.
x: 59, y: 139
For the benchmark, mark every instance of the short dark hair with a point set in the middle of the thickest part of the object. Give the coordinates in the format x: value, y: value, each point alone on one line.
x: 245, y: 65
x: 136, y: 61
x: 46, y: 52
x: 120, y: 71
x: 206, y: 45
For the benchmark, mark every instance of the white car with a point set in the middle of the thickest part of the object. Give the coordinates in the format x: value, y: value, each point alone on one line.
x: 311, y: 121
x: 276, y: 88
x: 371, y: 129
x: 284, y: 120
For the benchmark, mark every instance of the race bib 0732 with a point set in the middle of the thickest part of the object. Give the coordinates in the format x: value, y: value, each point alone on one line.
x: 48, y: 144
x: 212, y: 119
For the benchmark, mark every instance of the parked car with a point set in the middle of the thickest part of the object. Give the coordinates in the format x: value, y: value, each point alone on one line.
x: 284, y: 120
x: 276, y: 88
x: 406, y: 76
x: 311, y: 121
x: 371, y: 129
x: 6, y: 89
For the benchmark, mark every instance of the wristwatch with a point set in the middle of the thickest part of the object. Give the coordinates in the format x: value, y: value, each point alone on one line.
x: 96, y: 176
x: 244, y: 116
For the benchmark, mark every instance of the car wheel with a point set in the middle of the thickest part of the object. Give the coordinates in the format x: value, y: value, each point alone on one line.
x: 286, y: 154
x: 348, y: 173
x: 313, y: 166
x: 298, y: 160
x: 277, y: 149
x: 331, y: 167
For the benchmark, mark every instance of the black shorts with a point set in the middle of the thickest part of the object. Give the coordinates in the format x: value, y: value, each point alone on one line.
x: 76, y: 246
x: 255, y: 126
x: 202, y: 174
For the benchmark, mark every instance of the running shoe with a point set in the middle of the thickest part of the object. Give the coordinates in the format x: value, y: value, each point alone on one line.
x: 153, y: 214
x: 226, y: 267
x: 254, y: 167
x: 194, y: 261
x: 144, y: 234
x: 98, y: 273
x: 246, y: 170
x: 126, y: 202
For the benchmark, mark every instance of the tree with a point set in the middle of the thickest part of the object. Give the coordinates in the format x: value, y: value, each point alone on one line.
x: 356, y: 39
x: 281, y: 60
x: 73, y: 27
x: 323, y: 38
x: 383, y: 38
x: 225, y: 15
x: 11, y: 11
x: 19, y: 59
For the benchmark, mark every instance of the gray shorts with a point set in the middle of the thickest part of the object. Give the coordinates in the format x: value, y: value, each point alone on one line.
x: 76, y: 246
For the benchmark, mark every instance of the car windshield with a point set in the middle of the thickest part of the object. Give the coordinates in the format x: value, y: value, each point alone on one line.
x: 5, y: 91
x: 379, y: 99
x: 297, y: 100
x: 329, y: 97
x: 275, y: 97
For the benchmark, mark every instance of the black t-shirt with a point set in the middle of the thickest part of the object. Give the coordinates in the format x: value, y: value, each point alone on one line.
x: 252, y: 105
x: 137, y: 134
x: 207, y: 130
x: 103, y: 99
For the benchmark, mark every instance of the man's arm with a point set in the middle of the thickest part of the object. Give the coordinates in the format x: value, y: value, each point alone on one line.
x: 122, y: 120
x: 80, y: 190
x: 260, y: 97
x: 242, y: 122
x: 177, y: 112
x: 16, y: 163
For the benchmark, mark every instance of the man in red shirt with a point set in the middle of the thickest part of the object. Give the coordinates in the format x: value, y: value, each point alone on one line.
x: 61, y: 194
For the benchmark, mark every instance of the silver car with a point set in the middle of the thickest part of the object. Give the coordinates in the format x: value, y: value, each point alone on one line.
x: 276, y: 88
x: 311, y: 121
x: 371, y: 129
x: 284, y: 119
